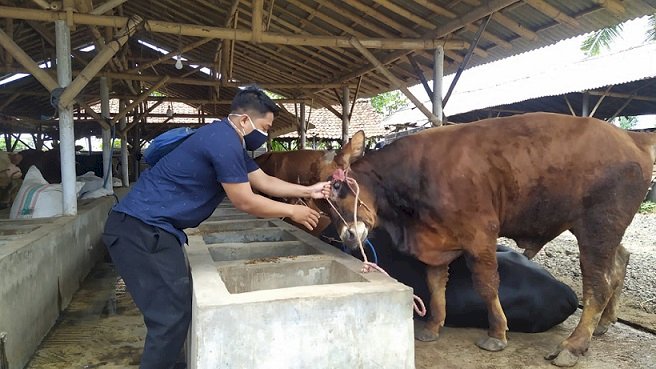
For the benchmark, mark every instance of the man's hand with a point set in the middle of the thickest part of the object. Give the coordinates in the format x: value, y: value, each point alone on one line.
x: 302, y: 214
x: 317, y: 190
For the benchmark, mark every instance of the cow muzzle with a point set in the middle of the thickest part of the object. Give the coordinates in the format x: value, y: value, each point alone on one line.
x: 352, y: 233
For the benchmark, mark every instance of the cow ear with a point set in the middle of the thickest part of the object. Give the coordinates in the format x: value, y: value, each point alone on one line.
x: 15, y: 158
x: 352, y: 151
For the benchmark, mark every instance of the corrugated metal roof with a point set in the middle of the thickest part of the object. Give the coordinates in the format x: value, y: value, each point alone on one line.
x: 588, y: 74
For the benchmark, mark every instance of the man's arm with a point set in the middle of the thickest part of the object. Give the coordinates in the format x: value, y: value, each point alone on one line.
x: 276, y: 187
x: 242, y: 197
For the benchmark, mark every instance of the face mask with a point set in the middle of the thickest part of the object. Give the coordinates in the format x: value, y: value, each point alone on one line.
x: 256, y: 138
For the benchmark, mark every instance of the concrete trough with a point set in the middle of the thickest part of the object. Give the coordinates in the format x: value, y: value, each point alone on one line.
x: 42, y: 263
x: 267, y: 295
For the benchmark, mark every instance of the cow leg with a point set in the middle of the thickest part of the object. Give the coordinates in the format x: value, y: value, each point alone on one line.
x: 531, y: 247
x: 485, y: 275
x: 609, y: 315
x: 436, y: 276
x: 597, y: 267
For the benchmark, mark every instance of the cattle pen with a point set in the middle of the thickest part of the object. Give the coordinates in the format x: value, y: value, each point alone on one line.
x: 117, y: 73
x: 101, y: 328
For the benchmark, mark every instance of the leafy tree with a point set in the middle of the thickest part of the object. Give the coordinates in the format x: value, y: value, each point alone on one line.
x: 651, y: 32
x: 388, y: 102
x: 627, y: 122
x: 601, y: 39
x: 604, y: 37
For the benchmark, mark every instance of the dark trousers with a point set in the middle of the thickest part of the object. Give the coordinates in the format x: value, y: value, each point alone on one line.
x: 153, y: 266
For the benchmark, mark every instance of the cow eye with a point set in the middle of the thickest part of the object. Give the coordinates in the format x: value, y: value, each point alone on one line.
x: 337, y: 185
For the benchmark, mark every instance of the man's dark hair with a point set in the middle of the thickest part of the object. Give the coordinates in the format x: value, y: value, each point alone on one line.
x: 253, y: 99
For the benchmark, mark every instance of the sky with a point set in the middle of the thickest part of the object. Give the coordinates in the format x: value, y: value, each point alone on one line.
x: 560, y: 54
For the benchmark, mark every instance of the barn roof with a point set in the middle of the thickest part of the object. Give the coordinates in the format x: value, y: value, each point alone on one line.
x: 328, y: 126
x: 618, y: 76
x: 299, y: 49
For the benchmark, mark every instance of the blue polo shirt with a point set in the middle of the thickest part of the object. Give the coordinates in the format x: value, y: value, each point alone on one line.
x: 184, y: 187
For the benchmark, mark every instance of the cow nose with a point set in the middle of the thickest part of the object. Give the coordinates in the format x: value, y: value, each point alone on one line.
x: 354, y: 232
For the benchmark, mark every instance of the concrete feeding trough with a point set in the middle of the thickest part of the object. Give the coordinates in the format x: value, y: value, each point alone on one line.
x: 42, y: 263
x: 268, y: 295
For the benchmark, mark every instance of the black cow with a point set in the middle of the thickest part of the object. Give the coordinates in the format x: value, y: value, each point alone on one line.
x: 533, y: 300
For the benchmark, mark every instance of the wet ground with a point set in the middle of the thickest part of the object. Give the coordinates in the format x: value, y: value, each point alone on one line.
x: 102, y: 328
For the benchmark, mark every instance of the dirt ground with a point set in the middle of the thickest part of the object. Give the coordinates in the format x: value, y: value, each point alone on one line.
x: 103, y: 329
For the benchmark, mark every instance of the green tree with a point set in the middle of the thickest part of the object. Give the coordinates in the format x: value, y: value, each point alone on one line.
x: 651, y: 32
x: 603, y: 38
x: 388, y: 102
x: 627, y: 122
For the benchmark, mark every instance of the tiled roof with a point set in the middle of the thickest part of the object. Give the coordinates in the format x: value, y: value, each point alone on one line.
x: 329, y: 126
x: 177, y: 107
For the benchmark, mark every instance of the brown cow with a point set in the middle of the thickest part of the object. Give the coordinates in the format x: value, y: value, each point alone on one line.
x: 454, y: 190
x: 306, y: 167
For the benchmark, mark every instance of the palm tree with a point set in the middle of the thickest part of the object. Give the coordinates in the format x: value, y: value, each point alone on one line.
x: 604, y: 37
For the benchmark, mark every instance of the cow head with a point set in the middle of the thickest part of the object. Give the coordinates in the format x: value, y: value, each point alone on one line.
x: 354, y: 207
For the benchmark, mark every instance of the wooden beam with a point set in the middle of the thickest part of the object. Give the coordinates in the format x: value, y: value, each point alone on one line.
x: 26, y: 61
x: 328, y: 106
x: 228, y: 33
x: 9, y: 24
x: 102, y: 121
x: 623, y: 95
x: 612, y: 6
x: 355, y: 97
x: 98, y: 62
x: 48, y: 37
x: 173, y: 53
x: 569, y: 105
x: 555, y: 13
x: 107, y: 6
x: 474, y: 15
x: 514, y: 26
x: 8, y: 101
x: 258, y: 11
x: 139, y: 99
x: 396, y: 82
x: 420, y: 74
x: 138, y: 118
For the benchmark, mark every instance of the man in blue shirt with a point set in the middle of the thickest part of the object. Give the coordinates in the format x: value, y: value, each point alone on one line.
x: 144, y: 231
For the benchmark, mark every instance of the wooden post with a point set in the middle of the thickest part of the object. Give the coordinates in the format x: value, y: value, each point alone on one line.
x: 98, y: 62
x: 66, y: 132
x: 395, y: 81
x: 585, y: 104
x: 124, y: 149
x: 302, y: 128
x: 345, y: 115
x: 438, y: 73
x: 107, y: 148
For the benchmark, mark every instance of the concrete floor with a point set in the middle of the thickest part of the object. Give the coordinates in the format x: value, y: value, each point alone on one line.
x: 103, y: 329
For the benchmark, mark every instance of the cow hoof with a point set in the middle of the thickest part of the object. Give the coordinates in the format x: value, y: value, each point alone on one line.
x: 601, y: 329
x: 491, y: 344
x: 425, y: 335
x: 565, y: 359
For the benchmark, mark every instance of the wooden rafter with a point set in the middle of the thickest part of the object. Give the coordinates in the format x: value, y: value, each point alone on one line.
x: 223, y: 33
